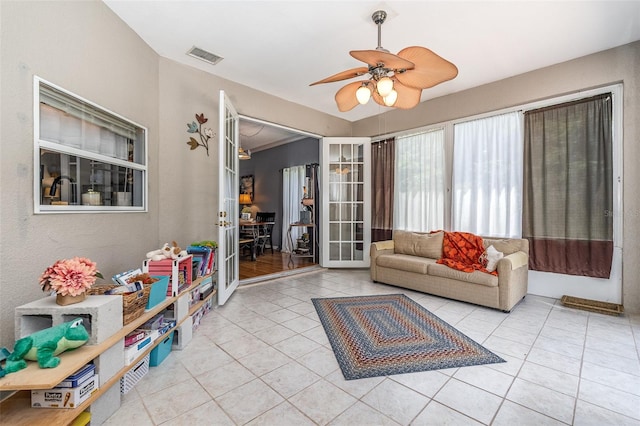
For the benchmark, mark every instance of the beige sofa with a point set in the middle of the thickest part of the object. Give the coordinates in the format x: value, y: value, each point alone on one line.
x: 409, y: 261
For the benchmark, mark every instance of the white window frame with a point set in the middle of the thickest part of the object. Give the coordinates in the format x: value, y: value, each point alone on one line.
x: 137, y: 167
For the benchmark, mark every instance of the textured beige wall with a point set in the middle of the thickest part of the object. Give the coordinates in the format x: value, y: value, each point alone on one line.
x: 85, y: 48
x: 617, y: 65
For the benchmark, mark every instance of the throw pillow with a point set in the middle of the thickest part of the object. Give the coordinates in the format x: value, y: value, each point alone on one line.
x: 491, y: 256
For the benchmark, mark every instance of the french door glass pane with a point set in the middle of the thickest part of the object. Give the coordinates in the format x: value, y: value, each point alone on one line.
x: 334, y: 251
x: 334, y: 232
x: 334, y: 153
x: 334, y: 211
x: 345, y: 212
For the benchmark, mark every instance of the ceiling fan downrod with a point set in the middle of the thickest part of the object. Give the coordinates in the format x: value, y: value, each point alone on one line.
x: 378, y: 17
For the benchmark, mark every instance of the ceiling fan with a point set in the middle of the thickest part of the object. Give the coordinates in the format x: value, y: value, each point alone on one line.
x: 395, y: 80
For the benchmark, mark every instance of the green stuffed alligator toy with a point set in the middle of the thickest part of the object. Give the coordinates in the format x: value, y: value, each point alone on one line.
x: 44, y: 345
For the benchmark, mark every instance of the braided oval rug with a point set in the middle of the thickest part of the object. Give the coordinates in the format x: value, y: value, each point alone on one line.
x: 391, y: 334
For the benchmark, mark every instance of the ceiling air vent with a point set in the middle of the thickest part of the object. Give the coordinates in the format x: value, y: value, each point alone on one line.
x: 203, y: 55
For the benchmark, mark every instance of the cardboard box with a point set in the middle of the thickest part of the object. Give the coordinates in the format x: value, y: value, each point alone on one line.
x: 78, y: 378
x: 133, y: 351
x: 64, y: 397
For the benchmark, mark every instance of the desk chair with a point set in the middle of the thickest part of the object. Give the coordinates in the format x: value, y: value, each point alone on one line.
x: 247, y: 244
x: 265, y: 231
x: 248, y: 240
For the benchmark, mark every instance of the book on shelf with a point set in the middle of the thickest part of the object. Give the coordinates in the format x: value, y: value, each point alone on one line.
x: 204, y: 253
x: 212, y: 255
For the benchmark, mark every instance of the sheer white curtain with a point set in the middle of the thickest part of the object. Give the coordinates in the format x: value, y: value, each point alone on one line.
x: 293, y: 179
x: 419, y: 182
x: 487, y: 176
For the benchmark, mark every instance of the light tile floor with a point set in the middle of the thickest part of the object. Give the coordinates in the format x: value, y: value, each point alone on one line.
x: 264, y: 359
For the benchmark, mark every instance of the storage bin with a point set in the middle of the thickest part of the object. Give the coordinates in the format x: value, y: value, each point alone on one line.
x: 133, y: 376
x: 158, y: 291
x: 160, y: 352
x: 179, y: 270
x: 133, y: 304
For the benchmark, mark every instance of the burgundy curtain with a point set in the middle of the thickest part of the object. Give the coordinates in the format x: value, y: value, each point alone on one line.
x: 568, y: 187
x: 382, y: 171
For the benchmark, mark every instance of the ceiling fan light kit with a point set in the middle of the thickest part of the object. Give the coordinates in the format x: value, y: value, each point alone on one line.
x: 395, y: 80
x: 363, y: 94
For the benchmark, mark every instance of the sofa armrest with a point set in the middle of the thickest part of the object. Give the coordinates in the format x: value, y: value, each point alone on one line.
x: 382, y: 245
x: 513, y: 279
x: 517, y: 259
x: 378, y: 248
x: 510, y: 263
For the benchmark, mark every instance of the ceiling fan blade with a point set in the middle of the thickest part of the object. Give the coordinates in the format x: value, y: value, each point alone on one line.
x: 344, y: 75
x: 430, y: 68
x: 375, y: 57
x: 408, y: 97
x: 346, y: 97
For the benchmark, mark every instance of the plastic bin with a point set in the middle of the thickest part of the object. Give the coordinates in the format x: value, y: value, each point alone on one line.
x: 158, y: 291
x: 160, y: 352
x: 133, y: 376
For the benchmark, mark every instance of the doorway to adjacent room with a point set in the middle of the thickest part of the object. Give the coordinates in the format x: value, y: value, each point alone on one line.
x: 272, y: 148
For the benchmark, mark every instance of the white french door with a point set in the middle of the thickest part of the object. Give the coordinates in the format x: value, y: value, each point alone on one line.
x: 228, y: 144
x: 346, y: 207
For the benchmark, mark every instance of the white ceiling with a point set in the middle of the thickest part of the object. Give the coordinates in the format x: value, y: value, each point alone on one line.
x: 280, y: 47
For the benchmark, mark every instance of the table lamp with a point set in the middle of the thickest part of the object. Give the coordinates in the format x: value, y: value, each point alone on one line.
x: 244, y: 199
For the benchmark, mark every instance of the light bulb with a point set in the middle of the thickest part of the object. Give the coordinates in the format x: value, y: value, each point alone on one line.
x: 363, y: 94
x: 391, y: 98
x: 384, y: 86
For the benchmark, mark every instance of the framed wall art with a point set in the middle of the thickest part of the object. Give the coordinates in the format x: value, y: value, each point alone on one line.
x: 246, y: 186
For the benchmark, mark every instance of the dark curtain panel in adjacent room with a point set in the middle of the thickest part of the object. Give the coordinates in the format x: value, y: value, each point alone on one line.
x: 568, y: 187
x: 311, y: 172
x: 382, y: 171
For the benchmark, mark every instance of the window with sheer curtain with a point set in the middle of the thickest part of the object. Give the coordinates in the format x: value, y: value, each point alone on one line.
x: 293, y: 179
x: 487, y: 176
x: 419, y: 188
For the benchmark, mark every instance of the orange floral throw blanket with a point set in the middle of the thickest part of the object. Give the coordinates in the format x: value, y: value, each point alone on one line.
x: 462, y: 251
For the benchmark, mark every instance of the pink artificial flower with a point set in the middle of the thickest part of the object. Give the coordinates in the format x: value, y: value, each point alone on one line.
x: 70, y: 276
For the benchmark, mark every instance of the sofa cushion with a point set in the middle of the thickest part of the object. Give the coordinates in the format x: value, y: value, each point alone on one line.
x: 418, y: 243
x: 404, y: 262
x: 475, y: 277
x: 507, y: 245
